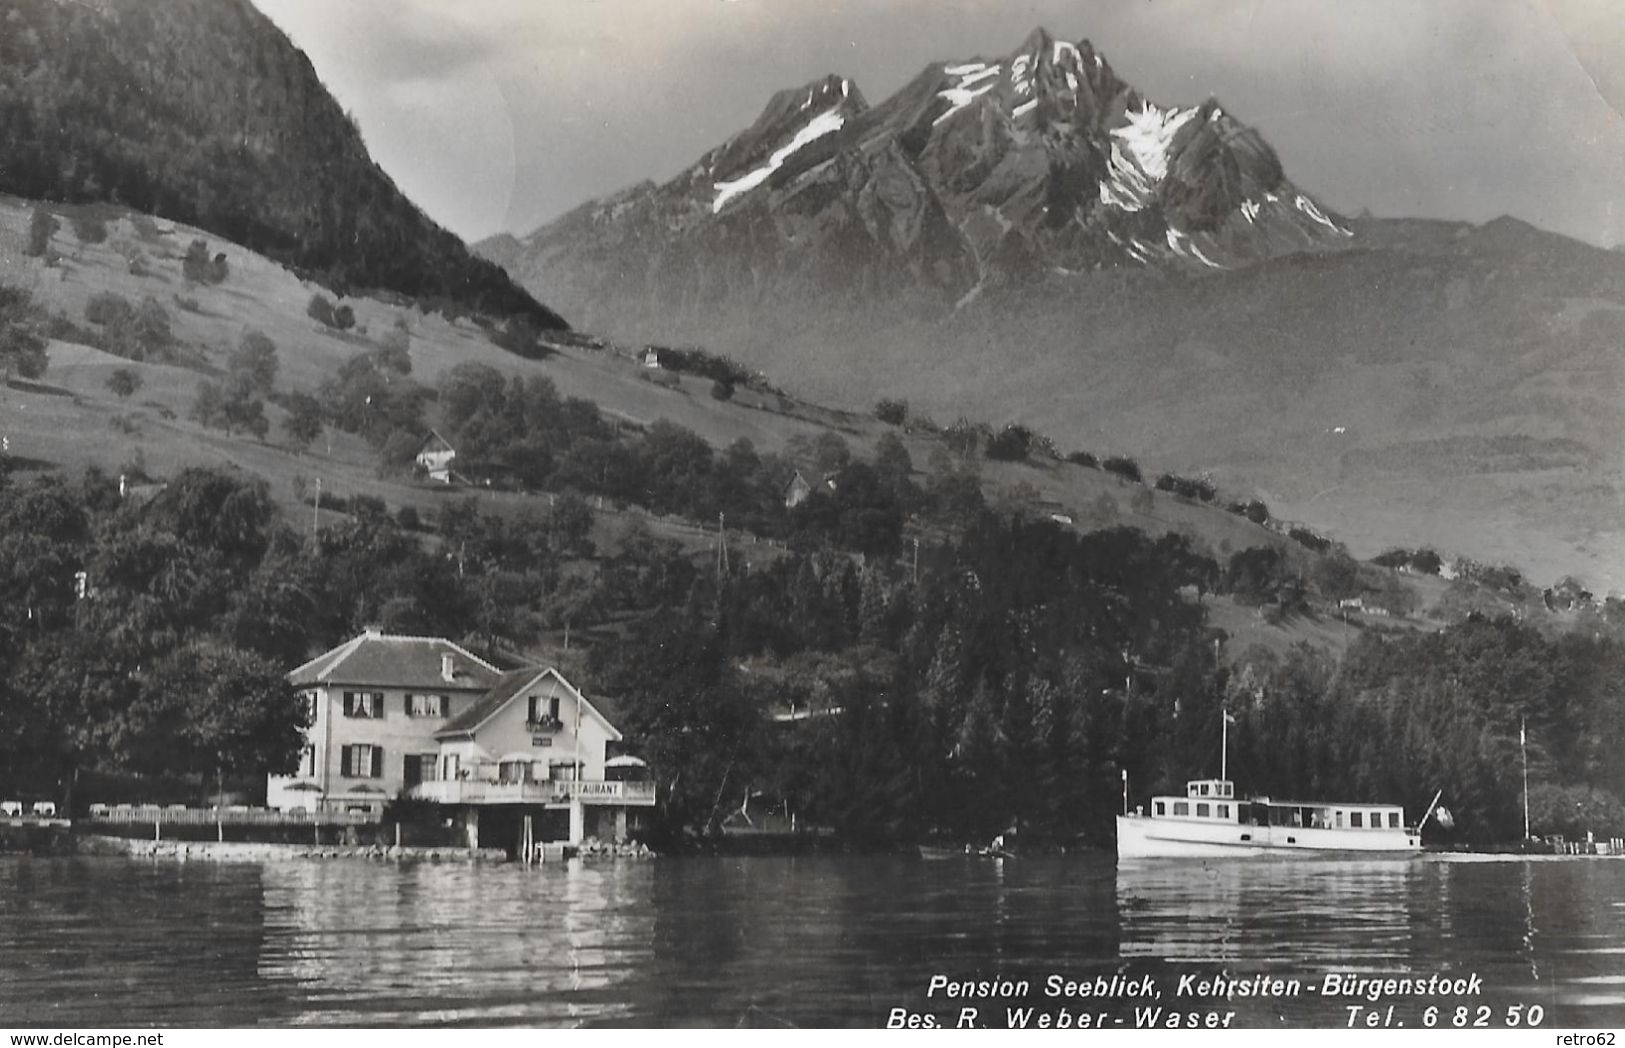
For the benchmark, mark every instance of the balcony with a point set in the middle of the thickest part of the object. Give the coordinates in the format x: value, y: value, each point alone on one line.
x: 541, y: 791
x: 544, y: 725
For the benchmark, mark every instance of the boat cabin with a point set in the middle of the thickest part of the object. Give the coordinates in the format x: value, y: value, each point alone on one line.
x: 1214, y: 800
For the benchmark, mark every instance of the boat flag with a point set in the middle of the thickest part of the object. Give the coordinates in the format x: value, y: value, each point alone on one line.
x: 1228, y: 718
x: 1443, y: 817
x: 1521, y: 739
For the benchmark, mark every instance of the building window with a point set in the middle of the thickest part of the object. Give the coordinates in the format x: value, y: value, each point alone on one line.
x: 310, y: 707
x: 420, y: 767
x: 451, y: 767
x: 544, y: 711
x: 1181, y: 808
x: 307, y: 760
x: 1356, y: 820
x: 426, y: 705
x: 362, y: 762
x: 364, y: 704
x: 1204, y: 810
x: 515, y: 772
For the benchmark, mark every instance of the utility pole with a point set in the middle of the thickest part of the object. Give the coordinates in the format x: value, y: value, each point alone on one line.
x: 316, y: 516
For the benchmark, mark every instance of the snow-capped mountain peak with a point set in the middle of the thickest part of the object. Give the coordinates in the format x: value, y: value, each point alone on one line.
x: 792, y: 121
x: 982, y: 171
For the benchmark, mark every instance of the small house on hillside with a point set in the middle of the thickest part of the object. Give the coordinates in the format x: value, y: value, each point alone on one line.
x: 796, y: 491
x: 435, y: 457
x: 651, y: 357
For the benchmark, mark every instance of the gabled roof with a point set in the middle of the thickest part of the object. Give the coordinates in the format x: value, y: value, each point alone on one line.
x: 386, y: 660
x: 508, y: 688
x: 433, y: 437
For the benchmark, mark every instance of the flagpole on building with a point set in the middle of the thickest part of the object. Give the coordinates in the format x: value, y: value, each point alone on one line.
x: 1524, y: 753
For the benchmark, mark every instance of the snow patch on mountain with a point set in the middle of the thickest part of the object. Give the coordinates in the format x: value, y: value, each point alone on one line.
x: 1149, y: 133
x: 1139, y: 155
x: 964, y: 93
x: 1181, y: 243
x: 1309, y: 208
x: 823, y: 124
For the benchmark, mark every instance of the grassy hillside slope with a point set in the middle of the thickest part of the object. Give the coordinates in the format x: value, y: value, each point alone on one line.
x: 71, y: 419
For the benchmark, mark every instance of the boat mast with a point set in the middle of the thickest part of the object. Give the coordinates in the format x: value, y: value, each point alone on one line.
x: 1225, y: 720
x: 1524, y: 752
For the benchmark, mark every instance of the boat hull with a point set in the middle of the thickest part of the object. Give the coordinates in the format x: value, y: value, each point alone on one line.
x: 1143, y: 837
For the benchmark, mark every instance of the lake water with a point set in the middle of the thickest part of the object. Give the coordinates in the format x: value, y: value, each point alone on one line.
x: 820, y: 941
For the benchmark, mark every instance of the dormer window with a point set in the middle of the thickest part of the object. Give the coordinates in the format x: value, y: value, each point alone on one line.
x: 448, y: 671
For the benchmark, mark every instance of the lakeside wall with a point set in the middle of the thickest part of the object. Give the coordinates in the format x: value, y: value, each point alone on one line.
x: 260, y: 851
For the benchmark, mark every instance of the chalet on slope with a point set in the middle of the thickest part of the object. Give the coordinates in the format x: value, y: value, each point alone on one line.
x: 796, y: 490
x: 435, y: 456
x: 425, y: 719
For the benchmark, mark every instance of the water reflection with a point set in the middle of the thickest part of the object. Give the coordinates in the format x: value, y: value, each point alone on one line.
x: 379, y: 944
x: 815, y: 941
x: 1320, y: 914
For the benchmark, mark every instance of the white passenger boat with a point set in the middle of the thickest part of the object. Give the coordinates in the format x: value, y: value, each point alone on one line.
x: 1210, y: 821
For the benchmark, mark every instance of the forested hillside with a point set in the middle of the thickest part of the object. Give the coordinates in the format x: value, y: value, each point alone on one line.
x: 201, y: 111
x: 1013, y: 671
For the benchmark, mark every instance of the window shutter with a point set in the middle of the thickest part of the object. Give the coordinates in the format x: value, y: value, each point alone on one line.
x: 344, y: 756
x: 349, y: 704
x: 553, y: 707
x: 533, y: 717
x: 377, y: 762
x: 406, y: 708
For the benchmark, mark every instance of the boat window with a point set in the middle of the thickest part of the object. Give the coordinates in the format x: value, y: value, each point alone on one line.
x: 1356, y: 820
x: 1204, y: 810
x: 1162, y: 809
x: 1224, y: 811
x: 1337, y: 818
x: 1204, y: 789
x: 1181, y: 808
x: 1393, y: 820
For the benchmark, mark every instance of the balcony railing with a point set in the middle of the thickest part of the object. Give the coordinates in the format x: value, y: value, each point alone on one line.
x: 540, y: 791
x: 545, y: 724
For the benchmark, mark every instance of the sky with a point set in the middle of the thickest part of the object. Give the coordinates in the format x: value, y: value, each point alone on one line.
x: 499, y: 115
